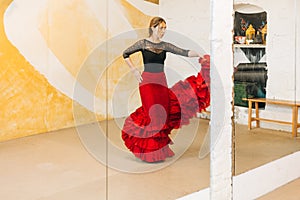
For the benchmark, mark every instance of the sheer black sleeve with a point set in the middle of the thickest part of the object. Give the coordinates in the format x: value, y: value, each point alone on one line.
x: 176, y: 50
x: 138, y: 46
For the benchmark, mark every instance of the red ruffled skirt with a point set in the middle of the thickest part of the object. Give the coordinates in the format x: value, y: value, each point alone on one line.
x: 146, y: 131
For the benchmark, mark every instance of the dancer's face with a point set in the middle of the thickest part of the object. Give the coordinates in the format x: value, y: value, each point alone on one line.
x: 159, y: 30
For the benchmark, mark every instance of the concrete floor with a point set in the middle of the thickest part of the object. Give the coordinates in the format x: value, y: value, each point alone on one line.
x: 70, y: 164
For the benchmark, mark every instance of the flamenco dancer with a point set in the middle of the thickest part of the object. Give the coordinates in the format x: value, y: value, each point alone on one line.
x: 146, y: 131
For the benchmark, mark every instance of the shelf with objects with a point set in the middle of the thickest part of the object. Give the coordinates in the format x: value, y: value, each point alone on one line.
x: 250, y: 74
x: 249, y: 46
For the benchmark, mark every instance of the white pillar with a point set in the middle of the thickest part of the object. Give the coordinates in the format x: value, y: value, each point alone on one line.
x: 221, y: 99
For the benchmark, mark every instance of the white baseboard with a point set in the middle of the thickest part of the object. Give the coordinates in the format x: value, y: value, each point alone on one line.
x: 259, y: 181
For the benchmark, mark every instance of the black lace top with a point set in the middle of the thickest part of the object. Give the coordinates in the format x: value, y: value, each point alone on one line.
x: 154, y: 54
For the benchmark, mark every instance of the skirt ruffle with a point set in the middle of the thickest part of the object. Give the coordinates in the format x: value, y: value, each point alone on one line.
x: 186, y: 99
x: 151, y: 143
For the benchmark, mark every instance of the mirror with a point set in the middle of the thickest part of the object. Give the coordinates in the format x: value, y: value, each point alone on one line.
x: 63, y: 69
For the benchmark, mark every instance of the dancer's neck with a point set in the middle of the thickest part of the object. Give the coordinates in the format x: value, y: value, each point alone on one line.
x: 154, y: 39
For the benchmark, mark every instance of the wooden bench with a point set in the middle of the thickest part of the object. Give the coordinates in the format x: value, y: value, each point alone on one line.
x: 293, y: 104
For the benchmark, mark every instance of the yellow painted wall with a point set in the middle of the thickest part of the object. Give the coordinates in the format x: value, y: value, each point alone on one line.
x: 29, y: 104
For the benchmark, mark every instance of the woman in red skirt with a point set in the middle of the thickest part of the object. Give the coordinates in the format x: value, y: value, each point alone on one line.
x: 146, y: 131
